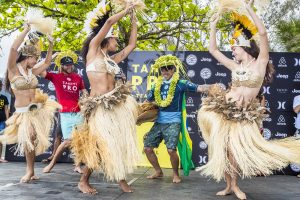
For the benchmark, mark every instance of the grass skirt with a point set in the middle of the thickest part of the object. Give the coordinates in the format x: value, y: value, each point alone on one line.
x: 230, y: 130
x: 107, y: 140
x: 22, y: 128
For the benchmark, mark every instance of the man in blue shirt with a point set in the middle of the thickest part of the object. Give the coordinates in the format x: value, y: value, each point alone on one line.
x: 169, y: 95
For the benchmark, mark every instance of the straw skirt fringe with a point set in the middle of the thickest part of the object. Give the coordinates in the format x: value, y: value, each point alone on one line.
x: 22, y: 128
x: 241, y: 139
x: 107, y: 141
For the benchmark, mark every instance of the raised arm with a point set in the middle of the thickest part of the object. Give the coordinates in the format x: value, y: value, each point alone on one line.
x: 13, y: 53
x: 213, y: 49
x: 41, y: 66
x: 96, y: 41
x: 44, y: 73
x: 263, y: 37
x: 118, y: 57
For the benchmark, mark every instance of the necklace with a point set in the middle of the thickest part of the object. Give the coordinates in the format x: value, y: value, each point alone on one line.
x: 157, y: 91
x: 27, y: 77
x: 112, y: 66
x: 244, y: 67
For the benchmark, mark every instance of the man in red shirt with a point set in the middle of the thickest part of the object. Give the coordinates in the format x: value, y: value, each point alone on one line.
x: 68, y: 86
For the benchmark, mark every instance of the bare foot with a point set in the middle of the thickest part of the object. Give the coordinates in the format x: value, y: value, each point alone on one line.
x: 125, y: 187
x: 3, y: 161
x: 86, y: 188
x: 298, y: 175
x: 176, y: 179
x: 237, y: 191
x: 48, y: 168
x: 26, y: 178
x: 156, y: 175
x: 34, y: 177
x: 78, y: 169
x: 225, y: 192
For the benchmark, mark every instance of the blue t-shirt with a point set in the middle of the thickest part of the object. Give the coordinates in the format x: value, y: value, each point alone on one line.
x: 172, y: 113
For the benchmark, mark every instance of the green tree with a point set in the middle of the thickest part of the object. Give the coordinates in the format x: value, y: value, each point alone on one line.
x: 282, y: 18
x: 289, y: 34
x: 166, y: 25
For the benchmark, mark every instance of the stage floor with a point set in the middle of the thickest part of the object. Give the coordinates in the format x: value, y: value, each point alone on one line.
x: 61, y: 184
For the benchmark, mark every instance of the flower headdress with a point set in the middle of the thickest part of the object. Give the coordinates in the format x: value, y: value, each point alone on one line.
x: 32, y: 46
x: 168, y: 60
x: 65, y: 54
x: 96, y: 18
x: 244, y: 30
x: 40, y: 25
x: 165, y: 61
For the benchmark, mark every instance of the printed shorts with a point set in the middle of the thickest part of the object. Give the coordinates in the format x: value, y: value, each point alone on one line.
x: 168, y: 132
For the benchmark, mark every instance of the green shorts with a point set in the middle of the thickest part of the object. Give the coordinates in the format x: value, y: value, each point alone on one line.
x: 169, y: 132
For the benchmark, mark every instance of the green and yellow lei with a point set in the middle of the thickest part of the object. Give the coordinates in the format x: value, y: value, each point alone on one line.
x: 162, y: 61
x: 171, y: 92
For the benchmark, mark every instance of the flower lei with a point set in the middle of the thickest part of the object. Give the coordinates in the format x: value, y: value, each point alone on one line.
x: 171, y: 92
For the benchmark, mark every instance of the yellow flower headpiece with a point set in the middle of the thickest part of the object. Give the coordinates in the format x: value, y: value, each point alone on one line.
x: 168, y: 60
x: 244, y: 30
x: 98, y: 13
x: 64, y: 54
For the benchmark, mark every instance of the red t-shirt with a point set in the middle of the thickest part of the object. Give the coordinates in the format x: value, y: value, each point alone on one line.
x: 67, y: 87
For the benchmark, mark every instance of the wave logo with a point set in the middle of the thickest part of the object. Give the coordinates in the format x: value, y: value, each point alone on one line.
x: 202, y: 145
x: 191, y: 59
x: 51, y: 86
x: 295, y: 167
x: 205, y: 73
x: 267, y: 134
x: 191, y: 73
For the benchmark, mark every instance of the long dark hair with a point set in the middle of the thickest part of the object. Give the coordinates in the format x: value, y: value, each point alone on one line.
x: 100, y: 22
x: 20, y: 58
x: 254, y: 52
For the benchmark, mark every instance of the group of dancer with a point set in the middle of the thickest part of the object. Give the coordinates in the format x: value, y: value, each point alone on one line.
x: 100, y: 127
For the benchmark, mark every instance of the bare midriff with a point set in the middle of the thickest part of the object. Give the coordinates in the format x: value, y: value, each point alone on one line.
x: 242, y: 95
x: 24, y: 97
x: 100, y: 83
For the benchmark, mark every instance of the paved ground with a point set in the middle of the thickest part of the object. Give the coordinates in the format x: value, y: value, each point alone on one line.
x: 62, y: 185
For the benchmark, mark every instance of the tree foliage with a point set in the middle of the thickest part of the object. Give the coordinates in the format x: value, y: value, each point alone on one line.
x: 289, y: 34
x: 168, y: 25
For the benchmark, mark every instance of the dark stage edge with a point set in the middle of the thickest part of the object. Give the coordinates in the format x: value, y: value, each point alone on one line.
x: 62, y: 185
